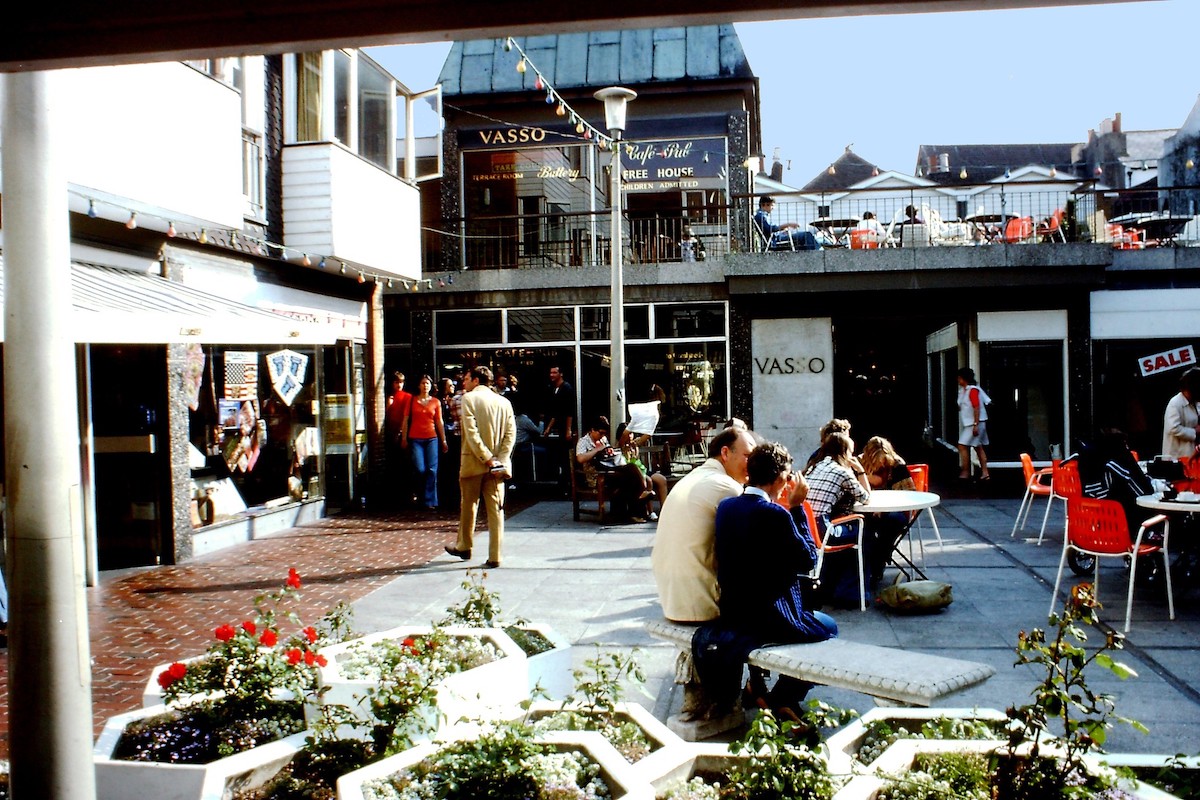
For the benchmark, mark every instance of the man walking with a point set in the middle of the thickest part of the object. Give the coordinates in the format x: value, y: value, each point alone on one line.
x: 559, y: 432
x: 488, y: 433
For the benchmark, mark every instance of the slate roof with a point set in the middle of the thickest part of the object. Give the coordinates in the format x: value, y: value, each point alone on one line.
x: 849, y: 169
x: 597, y: 58
x: 985, y: 162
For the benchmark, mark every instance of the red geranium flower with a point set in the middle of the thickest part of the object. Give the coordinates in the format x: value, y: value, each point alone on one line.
x: 177, y: 670
x: 293, y: 656
x: 321, y: 660
x: 225, y: 633
x: 293, y: 578
x: 249, y: 627
x: 310, y: 657
x: 409, y: 642
x: 268, y: 638
x: 165, y: 679
x: 311, y: 634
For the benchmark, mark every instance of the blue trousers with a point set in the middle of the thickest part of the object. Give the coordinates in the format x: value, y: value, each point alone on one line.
x: 425, y: 465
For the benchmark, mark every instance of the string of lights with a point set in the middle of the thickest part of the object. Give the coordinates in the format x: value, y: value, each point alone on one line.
x: 247, y: 242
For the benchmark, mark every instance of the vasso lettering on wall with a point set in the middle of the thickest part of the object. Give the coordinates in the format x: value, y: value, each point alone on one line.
x: 789, y: 365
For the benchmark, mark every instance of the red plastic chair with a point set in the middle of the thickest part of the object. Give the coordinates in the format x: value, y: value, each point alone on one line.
x: 857, y: 521
x: 1018, y: 230
x: 1037, y: 484
x: 920, y: 478
x: 1098, y: 528
x: 1064, y: 484
x: 864, y: 239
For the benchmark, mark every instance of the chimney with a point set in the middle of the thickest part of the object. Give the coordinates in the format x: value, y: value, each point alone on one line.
x: 1117, y: 123
x: 944, y: 162
x: 776, y: 166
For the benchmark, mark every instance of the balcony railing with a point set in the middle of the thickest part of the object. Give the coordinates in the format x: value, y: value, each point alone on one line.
x: 1020, y: 213
x: 568, y: 240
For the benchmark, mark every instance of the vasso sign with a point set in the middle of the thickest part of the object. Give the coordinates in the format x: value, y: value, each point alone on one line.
x: 1171, y: 359
x: 789, y: 365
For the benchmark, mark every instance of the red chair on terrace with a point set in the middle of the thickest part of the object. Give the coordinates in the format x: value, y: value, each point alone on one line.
x: 920, y: 477
x: 1037, y: 484
x: 1064, y: 485
x: 1019, y: 230
x: 1098, y: 528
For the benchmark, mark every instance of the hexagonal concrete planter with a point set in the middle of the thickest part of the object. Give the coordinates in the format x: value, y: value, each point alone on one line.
x: 551, y: 670
x: 120, y: 780
x: 622, y: 782
x: 487, y: 691
x: 899, y: 758
x: 679, y: 765
x: 663, y: 741
x: 844, y: 744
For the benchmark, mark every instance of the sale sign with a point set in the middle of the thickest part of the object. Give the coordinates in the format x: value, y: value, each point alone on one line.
x: 1171, y: 359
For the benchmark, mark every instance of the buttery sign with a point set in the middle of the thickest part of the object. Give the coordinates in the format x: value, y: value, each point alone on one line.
x: 1171, y: 359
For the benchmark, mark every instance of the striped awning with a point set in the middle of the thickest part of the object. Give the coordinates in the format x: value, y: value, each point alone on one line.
x: 117, y: 306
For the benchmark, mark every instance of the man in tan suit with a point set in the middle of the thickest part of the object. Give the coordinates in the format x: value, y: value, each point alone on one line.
x: 489, y: 432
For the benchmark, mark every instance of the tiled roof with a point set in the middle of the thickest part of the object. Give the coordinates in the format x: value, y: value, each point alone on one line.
x: 848, y: 170
x: 985, y: 162
x: 598, y: 58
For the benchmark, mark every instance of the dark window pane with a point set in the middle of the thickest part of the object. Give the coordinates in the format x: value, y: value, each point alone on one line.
x: 671, y: 322
x: 463, y: 327
x: 541, y: 325
x: 594, y: 322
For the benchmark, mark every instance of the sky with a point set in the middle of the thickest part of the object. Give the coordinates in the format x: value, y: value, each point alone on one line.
x: 887, y: 84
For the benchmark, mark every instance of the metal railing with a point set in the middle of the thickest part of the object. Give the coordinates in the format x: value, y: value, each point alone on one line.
x: 1018, y: 213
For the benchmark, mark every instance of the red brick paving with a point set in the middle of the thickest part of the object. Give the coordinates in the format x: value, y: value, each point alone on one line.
x: 148, y: 617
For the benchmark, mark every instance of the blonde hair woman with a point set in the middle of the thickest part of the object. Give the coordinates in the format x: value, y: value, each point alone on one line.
x: 885, y: 469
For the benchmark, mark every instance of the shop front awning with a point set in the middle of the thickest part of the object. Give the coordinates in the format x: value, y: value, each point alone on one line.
x: 117, y: 306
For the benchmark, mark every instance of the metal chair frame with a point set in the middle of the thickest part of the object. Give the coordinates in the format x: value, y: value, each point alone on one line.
x: 1099, y: 528
x: 920, y: 476
x: 822, y: 548
x: 1037, y: 484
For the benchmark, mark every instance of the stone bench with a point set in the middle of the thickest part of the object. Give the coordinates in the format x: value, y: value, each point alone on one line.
x: 889, y: 674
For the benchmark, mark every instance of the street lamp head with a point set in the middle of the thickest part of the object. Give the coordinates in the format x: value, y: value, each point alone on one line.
x: 615, y: 98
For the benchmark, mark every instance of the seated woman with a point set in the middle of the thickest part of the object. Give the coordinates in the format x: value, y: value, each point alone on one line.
x: 762, y: 562
x: 885, y: 470
x: 654, y: 484
x: 623, y: 481
x: 836, y: 481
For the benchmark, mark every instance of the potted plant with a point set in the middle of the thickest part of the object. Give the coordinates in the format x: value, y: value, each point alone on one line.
x: 478, y: 671
x: 773, y: 761
x: 856, y: 745
x: 503, y: 761
x: 1048, y: 743
x: 547, y: 653
x: 239, y: 705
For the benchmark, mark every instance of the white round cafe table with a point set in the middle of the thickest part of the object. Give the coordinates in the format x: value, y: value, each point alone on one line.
x: 1154, y: 501
x: 884, y: 501
x: 887, y: 501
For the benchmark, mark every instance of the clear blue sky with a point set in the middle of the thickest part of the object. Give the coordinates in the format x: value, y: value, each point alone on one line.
x: 889, y: 84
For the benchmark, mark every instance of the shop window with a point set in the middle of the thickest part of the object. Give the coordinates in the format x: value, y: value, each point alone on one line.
x: 467, y: 327
x: 595, y: 322
x: 541, y: 325
x: 1025, y: 382
x: 685, y: 321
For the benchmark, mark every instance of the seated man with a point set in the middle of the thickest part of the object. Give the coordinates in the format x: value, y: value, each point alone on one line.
x: 763, y: 561
x: 787, y: 236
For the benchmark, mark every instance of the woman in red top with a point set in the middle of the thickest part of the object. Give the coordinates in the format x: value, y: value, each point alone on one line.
x: 426, y: 437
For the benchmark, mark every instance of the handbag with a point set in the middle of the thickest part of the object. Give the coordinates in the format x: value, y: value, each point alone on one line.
x: 605, y: 463
x: 916, y: 597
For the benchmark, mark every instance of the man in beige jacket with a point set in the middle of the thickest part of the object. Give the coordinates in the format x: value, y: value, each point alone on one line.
x: 489, y: 431
x: 682, y: 559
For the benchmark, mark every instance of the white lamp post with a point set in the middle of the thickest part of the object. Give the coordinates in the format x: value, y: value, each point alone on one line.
x: 615, y: 99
